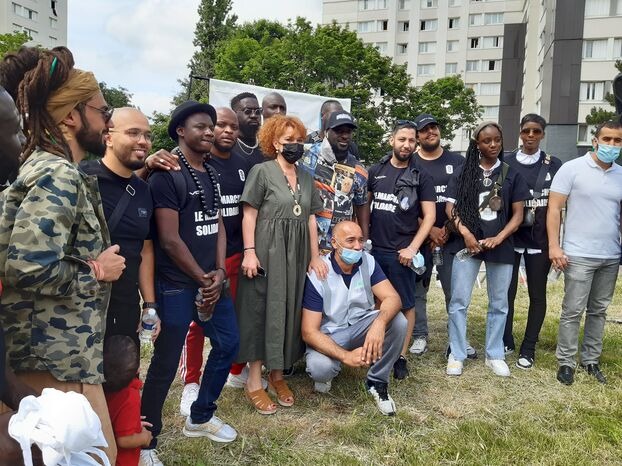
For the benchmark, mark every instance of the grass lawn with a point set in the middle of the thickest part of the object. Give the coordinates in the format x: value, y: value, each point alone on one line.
x: 478, y: 418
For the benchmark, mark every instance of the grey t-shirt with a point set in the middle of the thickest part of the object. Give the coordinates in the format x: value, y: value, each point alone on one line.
x: 593, y: 208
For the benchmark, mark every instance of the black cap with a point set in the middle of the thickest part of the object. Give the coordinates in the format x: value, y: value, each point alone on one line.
x: 424, y: 120
x: 186, y: 109
x: 340, y: 118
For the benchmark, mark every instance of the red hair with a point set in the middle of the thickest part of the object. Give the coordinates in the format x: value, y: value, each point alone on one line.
x: 274, y: 127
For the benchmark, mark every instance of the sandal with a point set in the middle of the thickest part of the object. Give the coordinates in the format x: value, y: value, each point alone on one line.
x: 281, y: 390
x: 260, y: 401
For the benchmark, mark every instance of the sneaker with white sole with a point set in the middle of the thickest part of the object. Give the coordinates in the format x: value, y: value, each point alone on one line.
x: 419, y: 346
x: 188, y: 396
x: 149, y: 458
x: 524, y: 362
x: 379, y: 391
x: 471, y: 352
x: 499, y: 367
x: 508, y: 350
x: 214, y: 429
x: 322, y: 387
x: 239, y: 380
x: 454, y: 367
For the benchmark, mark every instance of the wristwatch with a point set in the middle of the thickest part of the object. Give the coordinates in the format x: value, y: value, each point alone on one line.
x: 148, y: 305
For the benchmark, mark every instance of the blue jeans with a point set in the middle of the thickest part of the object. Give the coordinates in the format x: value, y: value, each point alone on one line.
x: 463, y: 277
x: 177, y: 310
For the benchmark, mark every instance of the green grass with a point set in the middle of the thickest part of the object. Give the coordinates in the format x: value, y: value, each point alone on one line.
x: 477, y: 418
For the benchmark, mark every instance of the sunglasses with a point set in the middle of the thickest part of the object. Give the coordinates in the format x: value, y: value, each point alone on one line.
x: 253, y: 111
x: 105, y: 111
x: 536, y: 131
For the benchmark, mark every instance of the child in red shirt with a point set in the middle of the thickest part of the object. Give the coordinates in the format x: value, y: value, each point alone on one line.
x: 122, y: 390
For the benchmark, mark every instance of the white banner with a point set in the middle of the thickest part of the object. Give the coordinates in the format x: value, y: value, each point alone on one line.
x: 304, y: 106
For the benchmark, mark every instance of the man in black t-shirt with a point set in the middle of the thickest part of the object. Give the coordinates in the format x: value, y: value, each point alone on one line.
x: 399, y: 194
x: 246, y: 107
x: 128, y: 209
x: 190, y: 254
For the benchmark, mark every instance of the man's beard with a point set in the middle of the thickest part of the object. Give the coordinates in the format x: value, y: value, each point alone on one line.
x: 132, y: 164
x: 429, y: 147
x: 90, y: 141
x: 400, y: 157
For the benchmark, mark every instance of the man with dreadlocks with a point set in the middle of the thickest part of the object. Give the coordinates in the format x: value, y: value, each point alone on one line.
x: 485, y: 206
x: 56, y: 262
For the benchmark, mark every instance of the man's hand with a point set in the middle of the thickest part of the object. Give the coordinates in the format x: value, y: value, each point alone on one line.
x: 162, y: 160
x: 372, y: 348
x: 355, y: 358
x: 472, y: 244
x: 438, y: 236
x: 406, y: 256
x: 112, y: 264
x: 212, y: 286
x: 558, y: 258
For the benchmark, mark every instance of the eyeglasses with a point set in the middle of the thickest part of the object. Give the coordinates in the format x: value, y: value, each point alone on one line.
x: 253, y: 111
x: 535, y: 131
x: 105, y: 111
x: 135, y: 134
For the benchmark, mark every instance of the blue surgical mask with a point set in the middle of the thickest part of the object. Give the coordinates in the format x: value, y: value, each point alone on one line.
x: 608, y: 154
x: 418, y: 260
x: 350, y: 256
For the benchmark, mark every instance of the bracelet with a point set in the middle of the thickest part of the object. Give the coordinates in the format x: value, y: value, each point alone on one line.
x: 223, y: 270
x: 150, y: 305
x: 251, y: 247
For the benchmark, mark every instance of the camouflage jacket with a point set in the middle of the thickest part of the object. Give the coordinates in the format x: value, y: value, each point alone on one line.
x: 54, y: 310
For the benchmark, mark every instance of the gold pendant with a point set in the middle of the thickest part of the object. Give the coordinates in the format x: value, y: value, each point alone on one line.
x: 297, y: 210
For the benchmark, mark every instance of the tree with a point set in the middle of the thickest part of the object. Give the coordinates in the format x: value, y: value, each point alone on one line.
x: 215, y: 25
x: 599, y: 115
x: 116, y: 97
x: 331, y: 60
x: 12, y: 42
x: 159, y: 130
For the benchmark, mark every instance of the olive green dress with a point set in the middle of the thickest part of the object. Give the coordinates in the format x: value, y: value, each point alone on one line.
x: 269, y: 308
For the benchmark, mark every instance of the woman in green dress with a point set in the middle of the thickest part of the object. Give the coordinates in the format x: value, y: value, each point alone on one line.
x: 280, y: 245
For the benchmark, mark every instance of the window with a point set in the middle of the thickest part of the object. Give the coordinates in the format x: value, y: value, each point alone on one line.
x: 493, y: 65
x: 492, y: 42
x: 454, y: 23
x: 491, y: 111
x: 403, y: 26
x: 472, y: 65
x: 31, y: 32
x: 474, y: 43
x: 372, y: 5
x: 455, y: 2
x: 452, y: 45
x: 585, y: 132
x: 597, y: 7
x: 425, y: 70
x: 476, y: 20
x: 451, y: 68
x: 382, y: 47
x: 429, y: 25
x: 403, y: 4
x: 366, y: 26
x: 619, y: 8
x: 429, y: 3
x: 596, y: 49
x: 402, y: 48
x: 383, y: 25
x: 493, y: 18
x: 24, y: 12
x: 427, y: 47
x: 490, y: 89
x: 53, y: 23
x: 617, y: 46
x: 53, y: 39
x: 592, y: 91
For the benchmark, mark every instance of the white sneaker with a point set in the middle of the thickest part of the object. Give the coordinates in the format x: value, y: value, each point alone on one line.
x: 379, y: 391
x: 419, y: 346
x: 149, y: 458
x: 499, y: 367
x: 188, y: 396
x: 454, y: 367
x: 239, y: 381
x: 214, y: 429
x: 322, y: 387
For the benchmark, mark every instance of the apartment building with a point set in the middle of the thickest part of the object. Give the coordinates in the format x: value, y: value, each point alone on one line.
x: 553, y: 57
x: 45, y: 21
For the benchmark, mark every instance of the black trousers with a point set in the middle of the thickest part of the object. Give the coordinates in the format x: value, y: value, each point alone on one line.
x: 537, y: 268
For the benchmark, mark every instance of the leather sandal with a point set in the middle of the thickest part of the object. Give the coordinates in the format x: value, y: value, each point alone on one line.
x: 260, y: 401
x: 281, y: 390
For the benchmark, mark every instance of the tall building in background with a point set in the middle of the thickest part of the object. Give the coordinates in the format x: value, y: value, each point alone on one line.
x: 45, y: 21
x: 552, y: 57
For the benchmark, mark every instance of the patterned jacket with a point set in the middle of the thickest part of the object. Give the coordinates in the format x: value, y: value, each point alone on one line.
x: 54, y: 310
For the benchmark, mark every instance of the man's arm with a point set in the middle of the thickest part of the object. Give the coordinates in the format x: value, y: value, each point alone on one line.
x: 146, y: 272
x: 362, y: 217
x: 428, y: 209
x: 553, y: 225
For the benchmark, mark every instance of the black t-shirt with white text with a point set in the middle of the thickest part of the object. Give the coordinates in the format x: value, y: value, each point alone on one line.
x: 196, y: 229
x: 441, y: 170
x: 392, y: 227
x: 514, y: 189
x: 232, y: 174
x: 252, y: 156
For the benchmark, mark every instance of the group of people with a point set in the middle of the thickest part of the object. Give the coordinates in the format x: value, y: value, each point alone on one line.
x: 275, y: 244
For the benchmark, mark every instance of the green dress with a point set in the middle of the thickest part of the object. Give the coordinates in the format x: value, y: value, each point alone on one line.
x: 269, y: 308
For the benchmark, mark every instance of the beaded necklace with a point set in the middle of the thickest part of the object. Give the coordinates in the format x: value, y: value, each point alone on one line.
x: 216, y: 204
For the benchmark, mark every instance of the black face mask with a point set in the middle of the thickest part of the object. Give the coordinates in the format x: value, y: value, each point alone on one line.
x: 293, y: 152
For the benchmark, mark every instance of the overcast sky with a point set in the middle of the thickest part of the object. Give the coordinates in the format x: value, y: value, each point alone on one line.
x: 145, y: 45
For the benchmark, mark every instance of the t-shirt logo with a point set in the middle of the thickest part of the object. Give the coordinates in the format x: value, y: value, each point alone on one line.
x: 242, y: 176
x: 449, y: 169
x: 142, y: 212
x: 547, y: 177
x: 404, y: 203
x: 194, y: 193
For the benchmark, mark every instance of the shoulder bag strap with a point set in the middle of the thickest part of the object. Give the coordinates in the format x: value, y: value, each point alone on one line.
x: 121, y: 207
x: 544, y: 169
x: 498, y: 184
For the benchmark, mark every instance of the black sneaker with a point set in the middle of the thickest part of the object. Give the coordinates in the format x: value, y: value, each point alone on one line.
x: 565, y: 374
x: 288, y: 372
x: 470, y: 351
x: 524, y: 362
x: 379, y: 391
x: 400, y: 369
x: 594, y: 371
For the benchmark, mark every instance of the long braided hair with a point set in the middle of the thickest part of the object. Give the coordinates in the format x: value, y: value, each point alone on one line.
x: 466, y: 208
x: 31, y: 75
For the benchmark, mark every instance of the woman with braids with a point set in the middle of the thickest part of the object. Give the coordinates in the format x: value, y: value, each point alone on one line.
x: 484, y: 206
x: 280, y: 242
x: 56, y: 261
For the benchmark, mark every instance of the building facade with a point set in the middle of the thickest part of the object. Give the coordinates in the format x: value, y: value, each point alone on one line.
x: 45, y: 21
x: 552, y: 57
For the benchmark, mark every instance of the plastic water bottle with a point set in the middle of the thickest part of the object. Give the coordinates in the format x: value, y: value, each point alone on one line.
x: 204, y: 314
x: 367, y: 245
x: 437, y: 256
x: 418, y: 264
x: 464, y: 254
x: 148, y: 322
x: 554, y: 274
